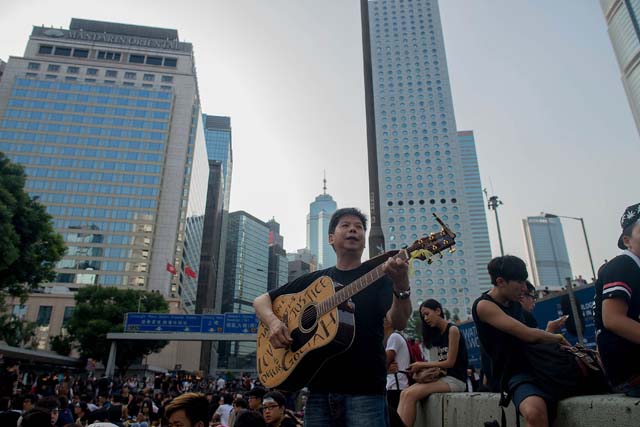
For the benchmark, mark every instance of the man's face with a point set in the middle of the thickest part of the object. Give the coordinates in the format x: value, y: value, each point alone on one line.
x: 272, y: 412
x: 54, y: 415
x: 179, y: 419
x: 254, y: 402
x: 27, y: 404
x: 512, y: 290
x: 349, y: 235
x: 633, y: 242
x: 528, y: 300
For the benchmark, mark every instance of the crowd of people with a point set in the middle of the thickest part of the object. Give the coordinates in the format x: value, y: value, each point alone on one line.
x: 379, y: 379
x: 84, y: 400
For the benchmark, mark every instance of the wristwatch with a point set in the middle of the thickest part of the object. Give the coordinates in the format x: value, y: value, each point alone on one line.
x: 402, y: 294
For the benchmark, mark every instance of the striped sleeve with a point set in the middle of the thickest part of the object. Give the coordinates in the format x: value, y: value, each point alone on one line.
x: 617, y: 290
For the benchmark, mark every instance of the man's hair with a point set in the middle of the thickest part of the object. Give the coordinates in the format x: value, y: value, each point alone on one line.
x: 241, y: 403
x: 195, y: 406
x: 48, y: 403
x: 36, y: 417
x: 508, y: 267
x: 530, y: 288
x: 335, y: 218
x: 277, y: 396
x: 258, y: 392
x: 248, y: 418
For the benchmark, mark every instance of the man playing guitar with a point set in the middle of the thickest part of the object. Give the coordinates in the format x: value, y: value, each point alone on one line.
x: 349, y: 389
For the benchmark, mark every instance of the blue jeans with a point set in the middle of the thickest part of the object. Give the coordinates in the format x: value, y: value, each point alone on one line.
x: 346, y: 410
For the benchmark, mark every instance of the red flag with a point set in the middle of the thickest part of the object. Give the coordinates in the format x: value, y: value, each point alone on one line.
x: 189, y: 272
x: 171, y: 269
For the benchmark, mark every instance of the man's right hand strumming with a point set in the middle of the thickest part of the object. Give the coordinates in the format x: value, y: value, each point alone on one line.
x: 279, y: 334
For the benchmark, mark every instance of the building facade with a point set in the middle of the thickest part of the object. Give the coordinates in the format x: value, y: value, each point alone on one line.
x: 218, y: 136
x: 278, y: 263
x: 106, y: 120
x: 245, y: 278
x: 623, y: 22
x: 546, y: 252
x: 419, y: 164
x: 472, y: 188
x: 320, y: 211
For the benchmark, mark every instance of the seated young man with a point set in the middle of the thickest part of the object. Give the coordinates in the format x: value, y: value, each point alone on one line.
x: 499, y: 320
x: 617, y: 309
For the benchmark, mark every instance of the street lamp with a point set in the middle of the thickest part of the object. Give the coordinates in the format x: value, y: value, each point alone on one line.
x: 493, y: 203
x: 584, y: 231
x: 140, y: 298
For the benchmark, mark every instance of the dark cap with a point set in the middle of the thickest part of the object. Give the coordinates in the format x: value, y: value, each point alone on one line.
x: 630, y: 216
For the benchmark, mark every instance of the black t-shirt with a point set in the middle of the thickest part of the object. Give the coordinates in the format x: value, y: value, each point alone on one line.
x: 505, y: 352
x: 529, y: 320
x: 361, y: 369
x: 619, y: 278
x: 441, y: 344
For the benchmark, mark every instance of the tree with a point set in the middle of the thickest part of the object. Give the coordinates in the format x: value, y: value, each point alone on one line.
x: 28, y: 243
x: 414, y: 326
x: 61, y: 344
x: 101, y: 310
x: 15, y: 331
x: 29, y: 247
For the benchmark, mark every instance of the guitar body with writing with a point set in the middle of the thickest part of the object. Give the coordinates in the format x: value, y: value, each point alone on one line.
x: 321, y: 319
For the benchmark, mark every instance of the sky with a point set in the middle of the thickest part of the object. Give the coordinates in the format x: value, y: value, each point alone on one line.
x: 537, y: 81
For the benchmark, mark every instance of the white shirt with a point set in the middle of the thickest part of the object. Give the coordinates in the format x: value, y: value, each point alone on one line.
x: 224, y: 411
x: 397, y: 343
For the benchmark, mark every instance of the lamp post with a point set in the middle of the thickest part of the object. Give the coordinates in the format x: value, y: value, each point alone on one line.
x: 586, y: 240
x: 140, y: 298
x: 493, y: 203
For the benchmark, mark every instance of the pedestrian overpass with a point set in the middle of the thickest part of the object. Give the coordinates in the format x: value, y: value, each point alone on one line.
x: 182, y: 327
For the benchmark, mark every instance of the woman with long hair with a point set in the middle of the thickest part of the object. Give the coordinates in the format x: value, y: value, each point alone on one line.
x: 447, y: 350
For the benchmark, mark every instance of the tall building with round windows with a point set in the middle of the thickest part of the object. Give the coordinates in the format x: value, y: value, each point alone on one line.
x: 423, y: 165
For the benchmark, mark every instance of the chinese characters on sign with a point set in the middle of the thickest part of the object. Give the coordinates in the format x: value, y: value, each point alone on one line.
x: 230, y: 323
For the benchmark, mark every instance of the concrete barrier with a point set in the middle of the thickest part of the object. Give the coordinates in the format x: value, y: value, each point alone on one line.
x: 474, y: 409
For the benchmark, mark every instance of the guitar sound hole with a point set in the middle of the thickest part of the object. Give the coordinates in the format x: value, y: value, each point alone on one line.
x: 309, y: 315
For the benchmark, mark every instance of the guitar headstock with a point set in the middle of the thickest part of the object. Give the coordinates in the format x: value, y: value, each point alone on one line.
x: 434, y: 243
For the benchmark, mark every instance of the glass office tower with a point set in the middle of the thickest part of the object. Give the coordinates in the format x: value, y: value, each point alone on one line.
x: 245, y: 278
x: 547, y: 252
x: 420, y: 164
x: 106, y: 120
x: 320, y: 212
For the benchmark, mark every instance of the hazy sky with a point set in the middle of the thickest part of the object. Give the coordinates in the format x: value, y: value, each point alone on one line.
x: 537, y: 81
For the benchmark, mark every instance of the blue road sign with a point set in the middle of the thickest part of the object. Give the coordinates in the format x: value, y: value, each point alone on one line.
x: 240, y: 323
x: 213, y: 323
x: 154, y: 322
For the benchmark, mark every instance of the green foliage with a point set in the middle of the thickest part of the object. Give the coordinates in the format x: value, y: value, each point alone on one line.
x: 28, y: 243
x: 61, y: 344
x: 100, y: 310
x: 414, y: 326
x: 15, y: 331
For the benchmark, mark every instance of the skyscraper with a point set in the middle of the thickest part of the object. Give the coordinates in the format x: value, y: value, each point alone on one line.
x: 320, y: 212
x: 2, y: 65
x: 217, y: 133
x: 420, y: 163
x: 105, y: 118
x: 546, y: 251
x: 278, y: 263
x: 477, y: 213
x: 245, y: 278
x: 623, y: 17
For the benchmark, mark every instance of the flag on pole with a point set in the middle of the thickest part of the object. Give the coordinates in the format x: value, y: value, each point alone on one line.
x: 189, y: 272
x: 171, y: 269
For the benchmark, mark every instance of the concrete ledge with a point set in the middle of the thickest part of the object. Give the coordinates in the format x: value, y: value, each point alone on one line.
x: 474, y: 409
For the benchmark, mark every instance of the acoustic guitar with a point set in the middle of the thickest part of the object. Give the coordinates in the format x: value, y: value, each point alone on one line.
x: 321, y: 320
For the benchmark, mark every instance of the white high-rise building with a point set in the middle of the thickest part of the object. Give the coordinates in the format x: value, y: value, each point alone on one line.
x: 422, y: 168
x: 622, y: 18
x: 547, y: 254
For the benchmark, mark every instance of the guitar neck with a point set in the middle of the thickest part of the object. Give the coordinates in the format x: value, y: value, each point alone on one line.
x: 356, y: 286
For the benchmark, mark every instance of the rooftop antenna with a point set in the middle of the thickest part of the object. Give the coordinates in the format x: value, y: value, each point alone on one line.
x: 324, y: 182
